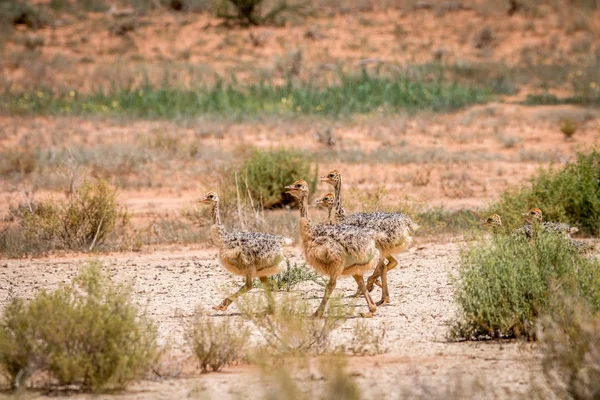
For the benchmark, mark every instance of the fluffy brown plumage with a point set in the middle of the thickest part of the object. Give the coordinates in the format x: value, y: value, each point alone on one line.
x: 248, y: 254
x: 392, y: 232
x: 335, y: 250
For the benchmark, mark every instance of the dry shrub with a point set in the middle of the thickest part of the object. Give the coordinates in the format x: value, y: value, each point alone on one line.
x: 18, y: 163
x: 289, y: 329
x: 365, y: 200
x: 257, y: 12
x: 217, y: 344
x: 88, y: 334
x: 367, y: 341
x: 82, y: 223
x: 570, y: 345
x: 284, y: 376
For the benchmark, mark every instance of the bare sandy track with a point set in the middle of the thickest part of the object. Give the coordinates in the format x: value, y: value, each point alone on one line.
x: 177, y: 283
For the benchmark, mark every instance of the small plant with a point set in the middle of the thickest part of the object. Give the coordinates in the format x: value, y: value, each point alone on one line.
x: 336, y: 382
x: 18, y: 162
x: 293, y: 275
x: 217, y: 344
x: 570, y: 346
x: 251, y: 12
x: 367, y: 341
x: 266, y: 173
x: 568, y: 127
x: 503, y: 283
x: 288, y: 329
x: 88, y: 334
x: 484, y: 38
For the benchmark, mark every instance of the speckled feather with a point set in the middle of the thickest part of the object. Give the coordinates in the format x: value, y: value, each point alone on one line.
x: 246, y: 253
x: 392, y: 231
x: 333, y: 249
x: 254, y: 246
x: 355, y: 241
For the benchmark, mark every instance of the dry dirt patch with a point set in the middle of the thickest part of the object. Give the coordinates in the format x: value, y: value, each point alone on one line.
x: 176, y: 283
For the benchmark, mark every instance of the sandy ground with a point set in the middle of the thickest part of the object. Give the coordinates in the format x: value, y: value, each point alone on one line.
x: 176, y: 284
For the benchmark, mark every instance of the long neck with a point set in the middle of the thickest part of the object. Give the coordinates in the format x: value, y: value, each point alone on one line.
x: 304, y: 225
x: 218, y: 230
x: 340, y: 214
x: 329, y: 216
x: 303, y: 204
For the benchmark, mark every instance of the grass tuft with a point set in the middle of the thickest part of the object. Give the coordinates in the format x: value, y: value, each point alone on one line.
x: 288, y: 329
x: 217, y: 344
x: 570, y: 347
x: 293, y: 275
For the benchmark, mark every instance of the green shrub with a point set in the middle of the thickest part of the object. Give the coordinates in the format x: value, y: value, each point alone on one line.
x: 266, y: 173
x: 83, y: 223
x: 568, y: 127
x: 217, y: 344
x: 293, y: 275
x: 570, y: 346
x: 503, y: 283
x: 571, y: 195
x: 88, y: 333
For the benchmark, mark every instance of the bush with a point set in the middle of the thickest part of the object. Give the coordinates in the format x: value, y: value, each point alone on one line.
x: 217, y: 344
x: 266, y: 173
x: 89, y: 334
x: 336, y: 381
x: 367, y: 341
x: 288, y: 329
x: 571, y: 195
x: 503, y: 283
x: 251, y: 12
x: 293, y: 275
x: 19, y: 12
x: 81, y: 224
x: 18, y: 163
x: 90, y: 216
x: 570, y: 346
x: 568, y: 127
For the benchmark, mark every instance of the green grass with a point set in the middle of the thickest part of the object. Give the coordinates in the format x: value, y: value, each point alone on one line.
x: 357, y: 94
x: 550, y: 99
x: 505, y: 282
